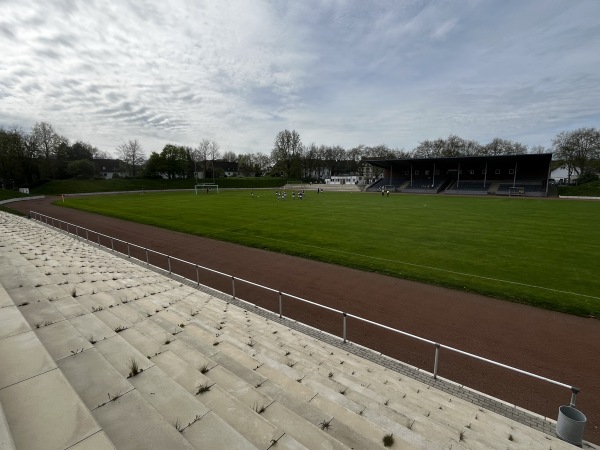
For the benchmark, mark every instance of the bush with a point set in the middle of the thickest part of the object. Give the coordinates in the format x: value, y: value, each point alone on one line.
x: 587, y: 177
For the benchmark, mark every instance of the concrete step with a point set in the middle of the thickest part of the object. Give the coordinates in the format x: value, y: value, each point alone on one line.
x: 132, y: 423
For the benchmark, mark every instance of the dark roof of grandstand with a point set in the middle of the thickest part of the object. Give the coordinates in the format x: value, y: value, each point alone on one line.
x: 539, y: 158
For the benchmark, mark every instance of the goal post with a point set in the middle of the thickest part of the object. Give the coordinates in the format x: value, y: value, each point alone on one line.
x: 515, y: 191
x: 206, y: 187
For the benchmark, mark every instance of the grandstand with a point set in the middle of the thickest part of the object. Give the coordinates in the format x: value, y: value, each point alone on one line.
x: 477, y: 175
x: 99, y: 352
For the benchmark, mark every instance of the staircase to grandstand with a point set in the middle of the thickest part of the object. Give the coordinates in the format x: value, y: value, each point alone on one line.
x: 99, y: 353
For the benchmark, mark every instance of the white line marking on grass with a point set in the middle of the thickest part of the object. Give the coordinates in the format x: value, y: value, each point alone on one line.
x: 435, y: 268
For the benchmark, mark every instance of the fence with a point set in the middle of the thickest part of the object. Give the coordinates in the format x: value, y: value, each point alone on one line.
x: 143, y: 255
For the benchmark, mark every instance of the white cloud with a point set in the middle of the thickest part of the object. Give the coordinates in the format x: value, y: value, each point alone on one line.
x: 340, y: 72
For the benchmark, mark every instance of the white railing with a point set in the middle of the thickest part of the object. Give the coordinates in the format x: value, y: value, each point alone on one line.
x: 85, y: 233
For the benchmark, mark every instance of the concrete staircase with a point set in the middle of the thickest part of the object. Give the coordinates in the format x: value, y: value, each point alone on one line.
x: 99, y: 353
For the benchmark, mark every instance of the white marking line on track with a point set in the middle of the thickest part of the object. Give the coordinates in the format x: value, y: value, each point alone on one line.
x: 434, y: 268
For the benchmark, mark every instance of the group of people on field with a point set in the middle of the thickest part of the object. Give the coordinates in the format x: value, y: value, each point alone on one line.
x: 282, y: 195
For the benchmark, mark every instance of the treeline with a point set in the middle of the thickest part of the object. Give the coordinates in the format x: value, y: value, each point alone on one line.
x: 31, y: 158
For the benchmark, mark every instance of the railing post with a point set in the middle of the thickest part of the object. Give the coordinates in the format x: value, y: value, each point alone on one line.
x: 169, y: 262
x: 112, y: 244
x: 197, y: 275
x: 280, y: 305
x: 436, y: 361
x: 77, y: 230
x: 128, y: 253
x: 233, y: 286
x: 344, y: 314
x: 98, y: 235
x: 87, y: 237
x: 147, y: 257
x: 574, y: 392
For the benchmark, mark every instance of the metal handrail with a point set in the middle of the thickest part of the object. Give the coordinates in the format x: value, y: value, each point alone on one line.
x: 38, y: 216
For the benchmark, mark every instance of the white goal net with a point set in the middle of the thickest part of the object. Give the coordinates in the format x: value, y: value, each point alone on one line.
x: 206, y: 187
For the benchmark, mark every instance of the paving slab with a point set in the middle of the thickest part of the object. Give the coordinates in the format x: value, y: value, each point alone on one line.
x: 5, y: 298
x: 111, y: 320
x: 303, y: 431
x: 120, y: 354
x: 126, y: 313
x: 69, y: 307
x: 259, y: 431
x: 6, y: 440
x: 61, y: 340
x: 92, y: 328
x: 23, y: 356
x: 54, y: 292
x: 131, y: 423
x: 142, y: 342
x: 26, y: 294
x: 41, y: 313
x: 44, y: 412
x: 12, y: 322
x: 170, y: 399
x: 94, y: 378
x: 98, y: 441
x: 186, y: 375
x: 213, y: 432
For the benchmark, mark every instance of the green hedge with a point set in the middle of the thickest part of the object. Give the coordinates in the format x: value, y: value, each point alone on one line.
x: 585, y: 190
x: 59, y: 187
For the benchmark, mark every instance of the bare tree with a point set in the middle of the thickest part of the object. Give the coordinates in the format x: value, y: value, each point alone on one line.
x: 46, y: 139
x: 577, y: 149
x: 286, y: 152
x: 132, y: 155
x: 201, y: 153
x: 229, y: 157
x: 213, y: 153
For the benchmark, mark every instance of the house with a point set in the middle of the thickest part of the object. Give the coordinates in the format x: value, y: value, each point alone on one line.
x: 109, y: 168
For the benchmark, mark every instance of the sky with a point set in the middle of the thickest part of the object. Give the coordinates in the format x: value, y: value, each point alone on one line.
x: 340, y: 72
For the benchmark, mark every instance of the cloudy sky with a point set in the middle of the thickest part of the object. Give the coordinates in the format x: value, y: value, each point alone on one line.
x: 339, y: 72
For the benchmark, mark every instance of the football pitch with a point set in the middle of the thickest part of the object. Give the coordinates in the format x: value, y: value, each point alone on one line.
x: 543, y: 252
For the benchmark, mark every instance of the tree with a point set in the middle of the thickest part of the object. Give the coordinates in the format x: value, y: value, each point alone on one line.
x: 174, y: 161
x: 201, y: 154
x: 286, y: 152
x: 577, y: 149
x: 47, y: 140
x: 132, y: 155
x: 229, y: 157
x: 81, y: 150
x: 213, y: 153
x: 82, y: 169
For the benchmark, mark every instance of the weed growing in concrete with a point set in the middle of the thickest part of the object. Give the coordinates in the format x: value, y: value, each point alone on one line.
x: 388, y: 440
x: 202, y: 388
x: 203, y: 369
x: 134, y: 368
x: 120, y: 328
x: 325, y: 424
x: 259, y: 409
x: 178, y: 426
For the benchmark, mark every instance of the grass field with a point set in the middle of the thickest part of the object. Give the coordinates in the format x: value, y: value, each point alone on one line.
x: 537, y: 251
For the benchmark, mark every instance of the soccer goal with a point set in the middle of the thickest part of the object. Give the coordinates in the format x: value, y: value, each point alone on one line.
x: 206, y: 187
x: 515, y: 191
